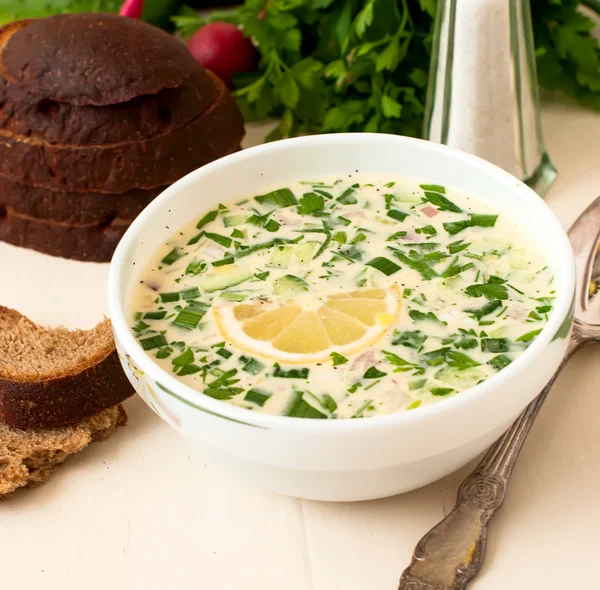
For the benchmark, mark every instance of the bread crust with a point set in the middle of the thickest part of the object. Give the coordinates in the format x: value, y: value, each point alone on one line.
x: 28, y: 458
x: 119, y: 168
x: 60, y: 400
x: 92, y: 59
x: 64, y: 401
x: 91, y: 243
x: 71, y: 207
x: 136, y: 120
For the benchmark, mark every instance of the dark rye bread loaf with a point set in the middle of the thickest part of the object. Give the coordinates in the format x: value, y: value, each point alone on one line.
x: 92, y: 59
x: 73, y: 208
x: 138, y: 119
x: 118, y: 168
x: 90, y: 242
x: 51, y: 378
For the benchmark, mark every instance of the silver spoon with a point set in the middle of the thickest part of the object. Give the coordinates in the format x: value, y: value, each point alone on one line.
x: 450, y: 555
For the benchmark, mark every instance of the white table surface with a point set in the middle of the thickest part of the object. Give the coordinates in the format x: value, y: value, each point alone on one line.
x: 140, y: 512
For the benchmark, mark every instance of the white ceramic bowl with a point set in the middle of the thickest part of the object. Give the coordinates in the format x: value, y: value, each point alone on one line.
x: 343, y: 459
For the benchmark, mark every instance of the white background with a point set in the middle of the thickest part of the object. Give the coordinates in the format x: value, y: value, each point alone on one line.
x: 141, y: 512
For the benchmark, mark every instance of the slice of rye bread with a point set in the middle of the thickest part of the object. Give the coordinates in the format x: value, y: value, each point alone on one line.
x: 92, y: 59
x: 73, y: 208
x: 138, y: 119
x: 28, y: 457
x: 90, y: 242
x: 50, y: 378
x: 118, y: 168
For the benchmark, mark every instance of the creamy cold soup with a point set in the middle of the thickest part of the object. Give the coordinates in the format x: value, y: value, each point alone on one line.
x: 343, y: 298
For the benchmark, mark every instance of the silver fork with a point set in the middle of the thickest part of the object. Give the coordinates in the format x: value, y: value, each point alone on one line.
x: 450, y: 555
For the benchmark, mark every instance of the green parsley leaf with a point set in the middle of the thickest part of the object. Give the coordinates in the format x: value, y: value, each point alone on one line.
x: 338, y: 359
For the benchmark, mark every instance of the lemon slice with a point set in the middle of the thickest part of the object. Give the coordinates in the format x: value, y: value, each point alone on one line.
x: 308, y: 329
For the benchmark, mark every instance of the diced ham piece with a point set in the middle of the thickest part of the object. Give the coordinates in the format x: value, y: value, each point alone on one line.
x: 429, y: 211
x: 365, y: 360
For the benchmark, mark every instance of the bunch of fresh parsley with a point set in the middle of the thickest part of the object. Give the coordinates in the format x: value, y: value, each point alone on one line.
x: 362, y: 65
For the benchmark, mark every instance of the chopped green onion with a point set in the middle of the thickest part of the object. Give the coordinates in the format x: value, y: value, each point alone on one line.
x: 329, y: 403
x: 164, y: 353
x: 359, y: 412
x: 529, y: 336
x: 222, y: 393
x: 252, y: 366
x: 282, y: 197
x: 262, y: 276
x: 291, y: 373
x: 173, y: 256
x: 210, y: 216
x: 387, y: 267
x: 224, y: 353
x: 219, y: 239
x: 190, y: 316
x: 441, y: 202
x: 169, y: 297
x: 190, y: 293
x: 485, y: 310
x: 141, y: 326
x: 483, y: 220
x: 185, y: 358
x: 299, y: 408
x: 347, y: 197
x: 436, y: 188
x: 257, y: 396
x: 440, y: 391
x: 223, y: 262
x: 195, y: 268
x: 153, y: 342
x: 397, y: 215
x: 236, y: 233
x: 500, y: 361
x: 458, y: 246
x: 155, y: 315
x: 188, y: 370
x: 495, y: 345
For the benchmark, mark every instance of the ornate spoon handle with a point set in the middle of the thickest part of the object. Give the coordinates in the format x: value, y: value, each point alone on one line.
x: 452, y: 552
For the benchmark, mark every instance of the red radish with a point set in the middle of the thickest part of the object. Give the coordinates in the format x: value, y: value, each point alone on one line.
x: 132, y: 8
x: 223, y: 49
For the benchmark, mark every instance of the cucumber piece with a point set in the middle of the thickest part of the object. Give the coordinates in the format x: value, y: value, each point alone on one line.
x: 520, y: 276
x: 498, y: 332
x: 234, y: 220
x: 223, y: 277
x: 460, y: 379
x: 485, y: 247
x: 407, y: 197
x: 518, y: 259
x: 281, y: 256
x: 289, y: 286
x: 304, y: 252
x: 234, y: 295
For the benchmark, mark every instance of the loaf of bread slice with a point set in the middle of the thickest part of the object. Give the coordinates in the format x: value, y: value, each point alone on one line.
x: 28, y: 457
x: 92, y: 59
x: 118, y: 168
x: 72, y: 208
x: 141, y: 118
x: 91, y: 243
x: 50, y: 378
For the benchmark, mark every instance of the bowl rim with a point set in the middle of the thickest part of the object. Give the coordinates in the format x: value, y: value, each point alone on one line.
x: 562, y: 308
